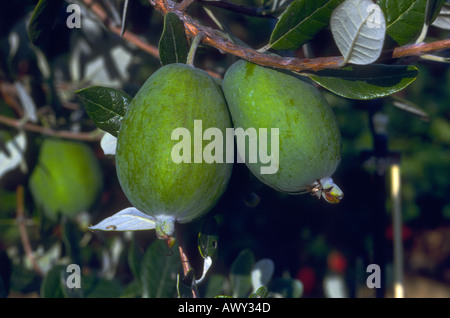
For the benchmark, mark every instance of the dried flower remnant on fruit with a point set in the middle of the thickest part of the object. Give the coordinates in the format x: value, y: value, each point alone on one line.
x: 327, y: 189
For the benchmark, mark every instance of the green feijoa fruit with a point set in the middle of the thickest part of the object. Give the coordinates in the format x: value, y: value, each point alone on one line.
x: 161, y: 178
x: 306, y: 148
x: 67, y: 178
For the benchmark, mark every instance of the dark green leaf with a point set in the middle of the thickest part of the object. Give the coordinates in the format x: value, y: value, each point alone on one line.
x: 240, y: 274
x: 106, y: 106
x: 366, y: 81
x: 404, y: 18
x: 52, y: 285
x: 95, y: 286
x: 433, y: 9
x: 132, y: 290
x: 186, y: 284
x: 215, y: 286
x: 173, y: 45
x: 72, y: 237
x: 158, y: 271
x: 42, y: 20
x: 208, y: 238
x: 300, y: 22
x: 261, y: 292
x: 134, y: 258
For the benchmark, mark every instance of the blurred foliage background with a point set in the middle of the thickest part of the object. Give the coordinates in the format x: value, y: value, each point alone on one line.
x: 306, y: 239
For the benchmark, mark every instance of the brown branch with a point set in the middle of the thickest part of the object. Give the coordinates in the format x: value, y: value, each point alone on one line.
x: 183, y: 5
x: 99, y: 11
x: 223, y: 44
x: 184, y: 260
x: 90, y: 136
x: 422, y: 48
x: 20, y: 218
x: 242, y: 9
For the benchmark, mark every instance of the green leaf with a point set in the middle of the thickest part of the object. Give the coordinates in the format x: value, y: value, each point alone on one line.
x: 134, y: 258
x: 240, y: 274
x: 106, y: 106
x: 173, y: 45
x: 300, y: 22
x: 433, y: 9
x: 405, y: 18
x: 261, y: 292
x: 186, y: 284
x: 95, y: 286
x: 72, y: 237
x: 366, y: 81
x: 208, y: 238
x: 287, y: 287
x: 42, y: 20
x: 215, y: 286
x: 52, y: 284
x: 158, y: 271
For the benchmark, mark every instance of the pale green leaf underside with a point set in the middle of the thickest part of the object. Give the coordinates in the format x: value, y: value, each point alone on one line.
x: 443, y: 19
x: 129, y: 219
x: 358, y: 28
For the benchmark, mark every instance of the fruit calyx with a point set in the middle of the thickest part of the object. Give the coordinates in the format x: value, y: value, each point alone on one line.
x: 165, y: 227
x: 327, y: 189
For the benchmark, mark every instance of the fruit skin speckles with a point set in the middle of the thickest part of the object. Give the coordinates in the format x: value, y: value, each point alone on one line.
x: 310, y: 140
x: 173, y: 97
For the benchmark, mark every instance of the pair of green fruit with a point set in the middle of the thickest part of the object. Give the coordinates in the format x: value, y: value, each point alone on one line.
x: 256, y: 97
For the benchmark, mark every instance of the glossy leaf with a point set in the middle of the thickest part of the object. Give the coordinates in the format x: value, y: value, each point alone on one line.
x: 173, y: 45
x: 106, y: 106
x: 300, y: 22
x: 404, y: 18
x: 358, y: 28
x: 158, y: 271
x: 366, y: 81
x: 42, y: 20
x: 240, y: 274
x: 208, y: 238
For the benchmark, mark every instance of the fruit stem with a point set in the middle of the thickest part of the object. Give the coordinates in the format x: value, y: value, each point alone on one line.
x: 195, y: 43
x: 184, y: 260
